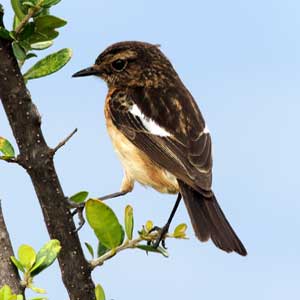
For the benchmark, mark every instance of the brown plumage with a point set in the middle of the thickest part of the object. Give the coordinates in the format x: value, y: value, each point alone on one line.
x: 160, y: 135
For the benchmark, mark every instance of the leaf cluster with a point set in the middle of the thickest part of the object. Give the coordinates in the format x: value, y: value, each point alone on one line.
x: 113, y: 237
x: 111, y: 234
x: 35, y: 29
x: 7, y: 294
x: 31, y: 263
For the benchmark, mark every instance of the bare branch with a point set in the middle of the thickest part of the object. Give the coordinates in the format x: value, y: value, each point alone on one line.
x: 10, y: 159
x: 127, y: 245
x: 63, y: 142
x: 150, y: 237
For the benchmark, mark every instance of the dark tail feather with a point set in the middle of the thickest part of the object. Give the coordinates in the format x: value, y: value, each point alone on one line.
x: 209, y: 221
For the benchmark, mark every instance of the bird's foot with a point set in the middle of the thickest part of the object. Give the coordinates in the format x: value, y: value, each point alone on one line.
x: 161, y: 237
x: 77, y: 210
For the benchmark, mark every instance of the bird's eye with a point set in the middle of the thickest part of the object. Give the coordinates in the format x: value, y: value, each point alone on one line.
x: 119, y: 65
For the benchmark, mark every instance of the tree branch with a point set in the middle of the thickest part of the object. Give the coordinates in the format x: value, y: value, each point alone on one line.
x: 64, y: 141
x: 8, y: 272
x: 30, y: 14
x: 149, y: 237
x: 127, y: 245
x: 9, y: 159
x: 36, y: 157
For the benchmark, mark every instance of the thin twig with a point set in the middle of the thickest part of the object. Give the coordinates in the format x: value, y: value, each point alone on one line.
x: 10, y: 159
x: 31, y: 12
x: 126, y: 245
x: 63, y: 142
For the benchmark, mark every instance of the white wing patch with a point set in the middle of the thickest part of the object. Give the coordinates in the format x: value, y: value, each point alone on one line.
x: 149, y: 124
x: 206, y: 130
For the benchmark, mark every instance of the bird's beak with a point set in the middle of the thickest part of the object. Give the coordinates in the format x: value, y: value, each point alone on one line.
x: 86, y: 72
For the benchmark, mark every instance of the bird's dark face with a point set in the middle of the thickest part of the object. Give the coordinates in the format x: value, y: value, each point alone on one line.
x: 129, y: 64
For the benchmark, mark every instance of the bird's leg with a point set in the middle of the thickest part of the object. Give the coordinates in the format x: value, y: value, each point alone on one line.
x: 126, y: 187
x: 79, y: 207
x: 164, y: 230
x: 113, y: 195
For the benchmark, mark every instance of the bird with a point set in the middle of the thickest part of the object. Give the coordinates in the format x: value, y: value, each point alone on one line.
x: 160, y: 136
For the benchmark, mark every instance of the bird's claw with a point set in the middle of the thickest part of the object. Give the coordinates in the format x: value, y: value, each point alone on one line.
x: 77, y: 209
x: 161, y: 237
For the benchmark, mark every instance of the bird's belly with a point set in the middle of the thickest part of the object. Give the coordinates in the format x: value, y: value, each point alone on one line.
x: 138, y: 166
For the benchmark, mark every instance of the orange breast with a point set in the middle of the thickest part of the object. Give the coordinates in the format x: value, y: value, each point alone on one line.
x: 138, y: 166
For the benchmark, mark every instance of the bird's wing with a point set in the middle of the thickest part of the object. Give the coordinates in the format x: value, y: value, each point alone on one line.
x: 168, y: 127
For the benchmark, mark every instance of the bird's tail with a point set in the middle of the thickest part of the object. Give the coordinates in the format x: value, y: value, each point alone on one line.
x: 209, y: 221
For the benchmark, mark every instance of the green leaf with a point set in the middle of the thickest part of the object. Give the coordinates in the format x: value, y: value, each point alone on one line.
x: 79, y: 197
x: 25, y: 46
x: 39, y: 298
x: 50, y: 64
x: 101, y: 249
x: 148, y: 225
x: 38, y: 264
x: 90, y: 249
x: 16, y: 22
x: 151, y: 249
x: 27, y: 256
x: 43, y: 23
x: 129, y: 222
x: 27, y: 31
x: 4, y: 33
x: 99, y: 292
x: 32, y: 2
x: 30, y: 55
x: 15, y: 297
x: 6, y: 148
x: 179, y: 231
x: 46, y: 35
x: 18, y: 9
x: 28, y: 3
x: 48, y: 254
x: 19, y: 52
x: 5, y: 292
x: 37, y: 290
x: 44, y: 29
x: 12, y: 34
x: 45, y: 11
x: 17, y: 263
x: 41, y: 45
x: 49, y: 3
x: 105, y: 223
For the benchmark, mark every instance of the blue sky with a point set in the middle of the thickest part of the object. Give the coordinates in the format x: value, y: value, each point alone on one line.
x: 241, y: 62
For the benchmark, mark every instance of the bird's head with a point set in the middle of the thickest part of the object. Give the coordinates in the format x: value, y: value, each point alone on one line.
x: 132, y: 64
